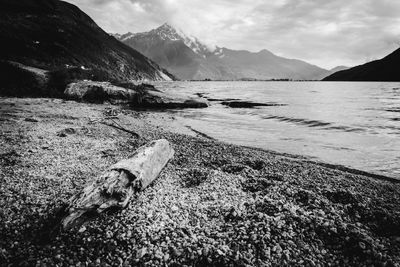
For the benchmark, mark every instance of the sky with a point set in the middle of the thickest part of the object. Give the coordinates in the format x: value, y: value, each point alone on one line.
x: 326, y: 33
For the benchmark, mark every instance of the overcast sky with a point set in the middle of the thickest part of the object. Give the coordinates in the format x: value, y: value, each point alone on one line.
x: 327, y: 33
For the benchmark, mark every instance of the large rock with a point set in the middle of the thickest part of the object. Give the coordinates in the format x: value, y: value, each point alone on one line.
x: 154, y: 99
x: 98, y: 92
x: 138, y: 96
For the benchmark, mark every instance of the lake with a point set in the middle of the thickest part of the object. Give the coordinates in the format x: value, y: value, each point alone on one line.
x: 355, y: 124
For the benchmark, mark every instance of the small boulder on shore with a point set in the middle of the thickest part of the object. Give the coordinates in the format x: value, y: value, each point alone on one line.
x: 98, y: 92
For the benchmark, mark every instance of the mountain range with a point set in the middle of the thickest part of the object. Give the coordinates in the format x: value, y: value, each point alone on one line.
x: 385, y: 69
x: 189, y: 59
x: 52, y: 34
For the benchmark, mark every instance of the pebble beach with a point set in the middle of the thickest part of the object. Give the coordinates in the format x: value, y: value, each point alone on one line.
x: 215, y: 204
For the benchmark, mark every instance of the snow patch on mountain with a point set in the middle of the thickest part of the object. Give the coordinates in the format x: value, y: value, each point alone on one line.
x: 167, y: 32
x: 219, y: 52
x: 127, y: 36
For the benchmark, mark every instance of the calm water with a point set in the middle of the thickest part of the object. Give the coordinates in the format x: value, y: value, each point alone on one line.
x: 352, y: 124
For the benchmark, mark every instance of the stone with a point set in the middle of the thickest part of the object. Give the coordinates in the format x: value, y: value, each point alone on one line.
x: 141, y: 96
x: 154, y: 99
x: 141, y: 253
x: 248, y: 104
x: 174, y: 208
x: 98, y: 92
x: 31, y: 120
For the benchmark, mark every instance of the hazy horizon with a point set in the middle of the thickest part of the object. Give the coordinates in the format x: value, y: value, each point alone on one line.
x: 326, y: 34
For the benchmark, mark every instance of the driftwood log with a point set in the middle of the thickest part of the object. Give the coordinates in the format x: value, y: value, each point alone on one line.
x: 119, y: 183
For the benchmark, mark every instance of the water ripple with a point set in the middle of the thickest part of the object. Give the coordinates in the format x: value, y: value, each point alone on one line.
x: 315, y: 123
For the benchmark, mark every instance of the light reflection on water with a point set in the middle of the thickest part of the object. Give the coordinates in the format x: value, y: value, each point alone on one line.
x: 352, y: 124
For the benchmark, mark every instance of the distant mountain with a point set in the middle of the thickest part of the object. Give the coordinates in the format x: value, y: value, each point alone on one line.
x: 52, y: 34
x: 385, y: 69
x: 189, y: 59
x: 333, y: 70
x: 338, y: 68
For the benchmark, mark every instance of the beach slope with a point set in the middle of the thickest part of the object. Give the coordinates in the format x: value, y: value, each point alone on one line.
x: 213, y: 204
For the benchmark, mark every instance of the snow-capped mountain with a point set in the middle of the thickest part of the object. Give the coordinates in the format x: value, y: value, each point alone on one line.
x: 168, y: 33
x: 189, y: 59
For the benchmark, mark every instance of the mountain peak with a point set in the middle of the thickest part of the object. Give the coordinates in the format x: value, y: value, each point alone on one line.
x: 167, y: 26
x: 169, y: 33
x: 166, y: 31
x: 266, y: 52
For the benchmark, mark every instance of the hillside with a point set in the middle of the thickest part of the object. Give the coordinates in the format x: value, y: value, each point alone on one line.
x: 52, y: 34
x: 189, y: 59
x: 386, y: 69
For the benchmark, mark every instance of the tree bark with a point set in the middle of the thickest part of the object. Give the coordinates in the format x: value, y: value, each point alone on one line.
x: 119, y: 183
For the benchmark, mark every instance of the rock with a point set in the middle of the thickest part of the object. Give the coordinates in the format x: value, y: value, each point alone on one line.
x: 176, y: 252
x: 166, y: 257
x: 61, y: 134
x: 233, y: 168
x: 31, y: 120
x: 286, y: 253
x: 174, y: 208
x: 109, y: 234
x: 221, y: 99
x: 154, y: 99
x: 277, y: 249
x: 220, y: 252
x: 205, y: 251
x: 98, y: 92
x: 117, y: 185
x: 247, y: 104
x: 65, y: 132
x: 138, y: 96
x: 141, y: 252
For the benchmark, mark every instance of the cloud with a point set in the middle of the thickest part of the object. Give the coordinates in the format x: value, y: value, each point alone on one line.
x: 326, y: 33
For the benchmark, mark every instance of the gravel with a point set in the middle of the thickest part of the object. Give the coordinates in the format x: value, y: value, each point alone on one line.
x: 214, y: 203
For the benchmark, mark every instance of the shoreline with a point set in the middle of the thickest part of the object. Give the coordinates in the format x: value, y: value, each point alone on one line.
x: 298, y: 157
x: 306, y: 159
x: 214, y: 204
x: 332, y: 165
